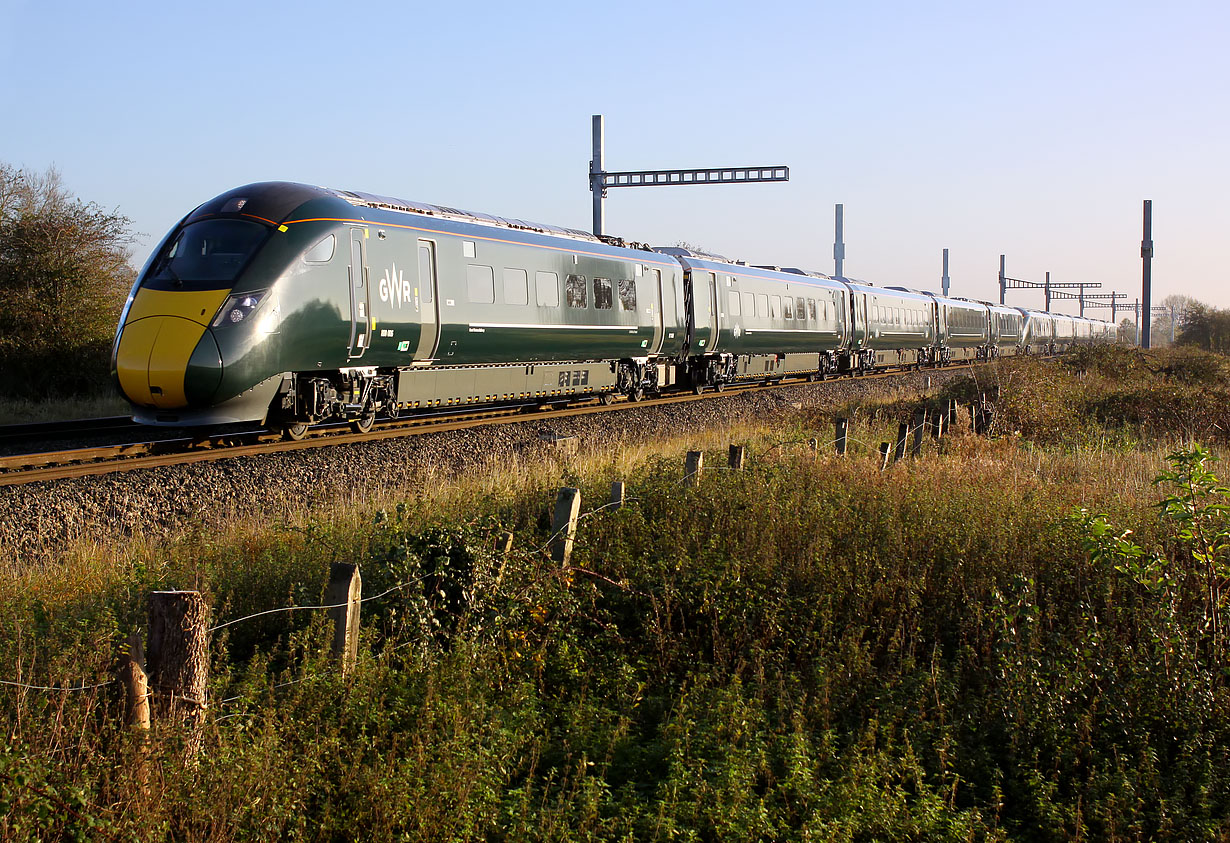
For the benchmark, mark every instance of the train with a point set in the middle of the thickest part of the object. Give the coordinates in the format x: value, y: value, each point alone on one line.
x: 286, y: 306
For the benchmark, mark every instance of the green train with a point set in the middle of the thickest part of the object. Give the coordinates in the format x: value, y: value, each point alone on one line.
x: 289, y: 305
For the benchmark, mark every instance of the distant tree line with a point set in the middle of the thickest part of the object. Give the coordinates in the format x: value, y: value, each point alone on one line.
x: 1206, y: 327
x: 64, y: 275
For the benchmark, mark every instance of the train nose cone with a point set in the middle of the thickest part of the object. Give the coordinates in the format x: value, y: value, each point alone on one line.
x: 166, y: 357
x: 168, y: 362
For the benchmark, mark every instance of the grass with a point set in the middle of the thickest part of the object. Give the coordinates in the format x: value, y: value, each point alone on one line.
x: 812, y: 649
x: 30, y: 411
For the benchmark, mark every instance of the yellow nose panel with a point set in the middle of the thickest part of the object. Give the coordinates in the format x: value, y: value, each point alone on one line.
x: 199, y: 307
x: 162, y: 330
x: 132, y: 359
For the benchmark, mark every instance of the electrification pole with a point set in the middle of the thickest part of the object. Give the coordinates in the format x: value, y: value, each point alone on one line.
x: 1146, y: 273
x: 600, y: 180
x: 839, y: 242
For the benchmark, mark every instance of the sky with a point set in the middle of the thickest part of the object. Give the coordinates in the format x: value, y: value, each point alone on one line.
x: 1033, y: 130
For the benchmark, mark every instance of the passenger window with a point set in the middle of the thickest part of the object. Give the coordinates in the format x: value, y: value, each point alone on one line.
x: 516, y: 286
x: 481, y: 284
x: 602, y: 294
x: 322, y: 251
x: 800, y: 308
x: 547, y: 288
x: 762, y: 304
x: 789, y: 311
x: 811, y: 309
x: 732, y: 303
x: 775, y: 307
x: 577, y: 295
x: 749, y: 304
x: 627, y: 294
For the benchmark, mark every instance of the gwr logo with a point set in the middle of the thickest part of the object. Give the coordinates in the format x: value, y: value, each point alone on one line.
x: 394, y: 289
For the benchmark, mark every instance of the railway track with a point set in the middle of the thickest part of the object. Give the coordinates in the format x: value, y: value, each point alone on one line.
x: 18, y: 434
x: 42, y: 466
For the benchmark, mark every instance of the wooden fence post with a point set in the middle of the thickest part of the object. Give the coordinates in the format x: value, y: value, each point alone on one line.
x: 564, y: 524
x: 735, y: 459
x: 343, y: 595
x: 504, y: 543
x: 842, y: 429
x: 693, y: 467
x: 937, y: 424
x: 920, y: 427
x: 179, y: 659
x: 903, y: 433
x: 135, y: 680
x: 885, y: 448
x: 618, y: 494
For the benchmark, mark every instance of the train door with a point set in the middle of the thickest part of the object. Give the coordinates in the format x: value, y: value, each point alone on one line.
x: 659, y: 316
x: 360, y: 307
x: 715, y: 314
x: 426, y: 295
x: 704, y: 308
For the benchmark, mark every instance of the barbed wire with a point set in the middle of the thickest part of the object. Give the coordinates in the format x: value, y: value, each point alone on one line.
x: 53, y: 687
x: 322, y: 606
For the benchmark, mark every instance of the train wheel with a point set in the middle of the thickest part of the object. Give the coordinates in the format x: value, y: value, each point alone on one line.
x: 606, y: 399
x: 636, y: 395
x: 364, y: 422
x: 295, y: 432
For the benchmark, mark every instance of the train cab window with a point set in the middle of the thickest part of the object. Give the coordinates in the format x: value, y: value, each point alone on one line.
x: 206, y: 255
x: 546, y: 285
x: 732, y: 303
x: 749, y: 304
x: 627, y: 294
x: 762, y: 304
x: 775, y: 306
x: 575, y: 291
x: 602, y: 294
x: 516, y: 286
x: 322, y: 252
x: 480, y: 283
x: 800, y: 308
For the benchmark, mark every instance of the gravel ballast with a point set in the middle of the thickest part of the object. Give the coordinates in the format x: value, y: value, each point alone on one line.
x: 38, y: 520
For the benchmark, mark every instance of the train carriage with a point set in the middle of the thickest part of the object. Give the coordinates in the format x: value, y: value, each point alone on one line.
x: 900, y: 324
x: 965, y: 332
x: 754, y: 322
x: 1007, y: 330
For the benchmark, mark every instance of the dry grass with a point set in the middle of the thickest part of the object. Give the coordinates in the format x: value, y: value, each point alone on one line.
x: 25, y: 411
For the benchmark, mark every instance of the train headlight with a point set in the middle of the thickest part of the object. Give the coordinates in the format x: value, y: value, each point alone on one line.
x: 237, y: 308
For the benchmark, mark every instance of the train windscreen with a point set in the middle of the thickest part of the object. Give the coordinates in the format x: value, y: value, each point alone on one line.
x: 206, y: 255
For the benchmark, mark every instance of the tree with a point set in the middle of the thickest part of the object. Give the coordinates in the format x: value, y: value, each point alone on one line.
x: 1206, y: 327
x: 64, y: 274
x: 1164, y: 327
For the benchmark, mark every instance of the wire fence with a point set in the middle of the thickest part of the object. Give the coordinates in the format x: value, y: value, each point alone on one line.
x: 558, y: 533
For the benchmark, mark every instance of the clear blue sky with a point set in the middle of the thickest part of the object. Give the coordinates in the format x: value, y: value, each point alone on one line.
x: 1033, y: 130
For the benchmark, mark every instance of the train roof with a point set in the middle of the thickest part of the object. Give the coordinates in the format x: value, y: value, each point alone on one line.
x: 388, y: 203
